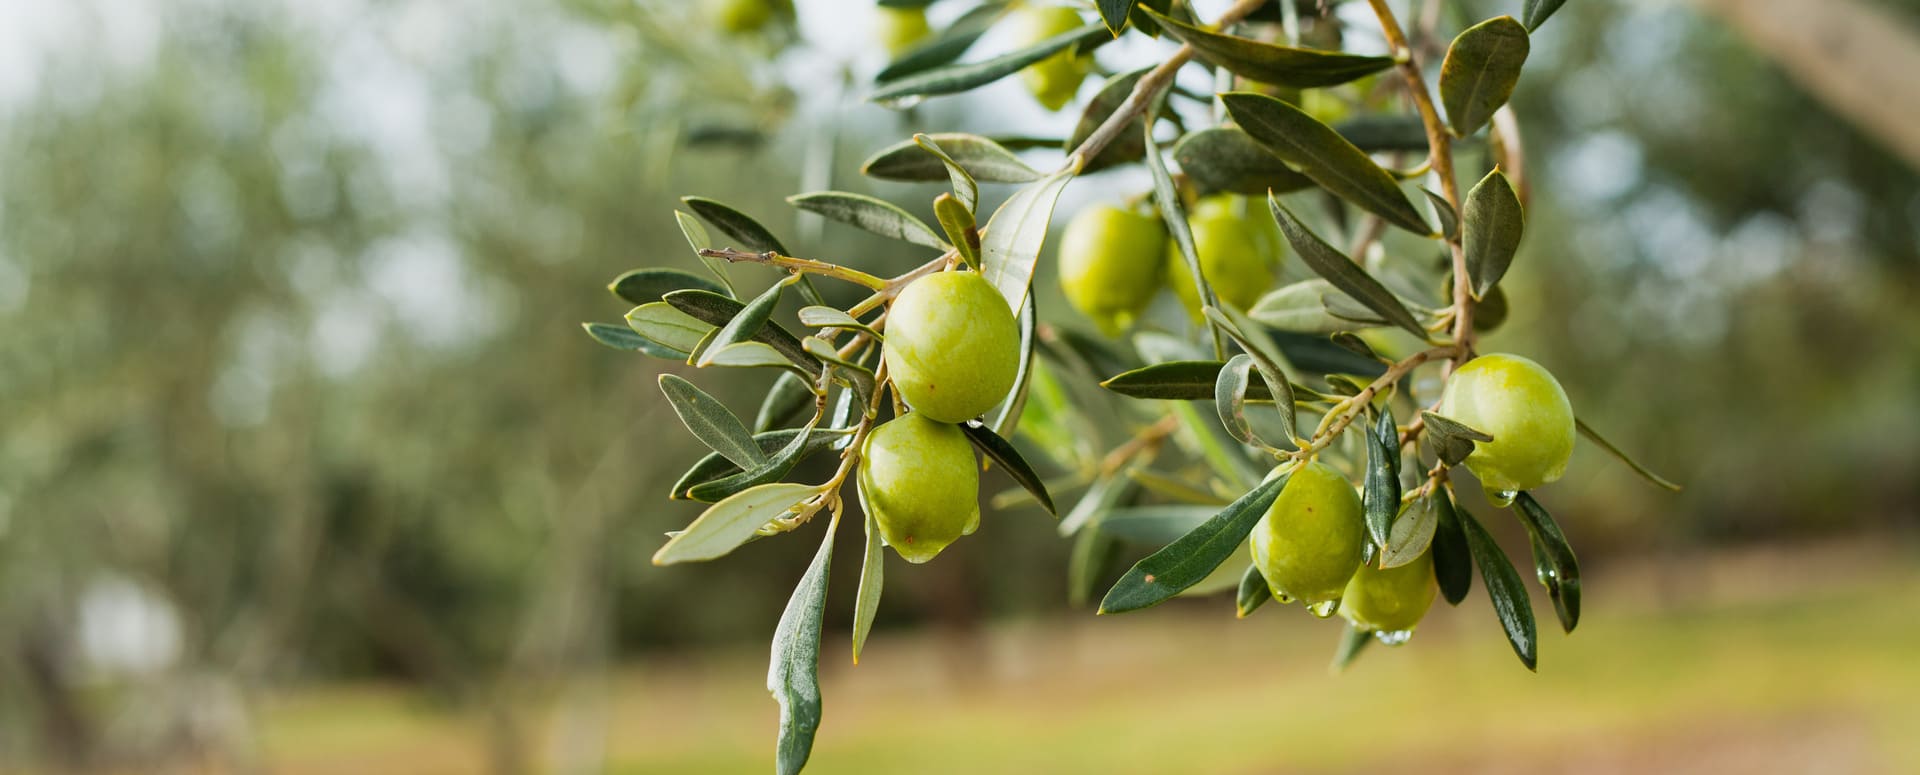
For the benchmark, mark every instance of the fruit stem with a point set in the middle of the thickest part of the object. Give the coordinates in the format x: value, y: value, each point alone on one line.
x: 802, y: 265
x: 1342, y: 414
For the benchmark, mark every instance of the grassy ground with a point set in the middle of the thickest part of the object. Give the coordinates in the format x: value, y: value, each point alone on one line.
x: 1761, y: 663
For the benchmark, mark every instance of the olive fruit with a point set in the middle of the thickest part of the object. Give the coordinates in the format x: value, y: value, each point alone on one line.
x: 1522, y: 406
x: 1390, y: 599
x: 740, y: 17
x: 1052, y: 81
x: 1239, y: 252
x: 921, y: 482
x: 1313, y: 538
x: 952, y: 346
x: 900, y: 29
x: 1110, y: 264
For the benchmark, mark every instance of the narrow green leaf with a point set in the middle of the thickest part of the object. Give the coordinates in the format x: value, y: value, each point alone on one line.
x: 981, y: 158
x: 789, y: 396
x: 998, y: 450
x: 745, y: 325
x: 1323, y: 155
x: 1480, y: 71
x: 1230, y: 397
x: 1156, y: 525
x: 661, y: 323
x: 1412, y: 534
x: 1185, y: 562
x: 1452, y: 563
x: 1293, y: 68
x: 1094, y: 504
x: 1353, y: 640
x: 1342, y: 272
x: 1226, y: 158
x: 1298, y: 308
x: 621, y: 338
x: 946, y: 45
x: 1385, y: 133
x: 1091, y: 562
x: 1380, y: 493
x: 714, y: 466
x: 1228, y: 463
x: 1114, y: 13
x: 719, y: 310
x: 1266, y: 357
x: 1011, y: 246
x: 953, y: 79
x: 699, y: 240
x: 1007, y: 418
x: 1494, y: 222
x: 1509, y: 596
x: 645, y: 286
x: 875, y: 215
x: 1179, y: 381
x: 1449, y: 220
x: 794, y: 673
x: 872, y: 578
x: 1553, y: 560
x: 711, y: 422
x: 1130, y: 144
x: 1451, y: 440
x: 726, y: 525
x: 1353, y: 344
x: 778, y: 465
x: 1645, y: 473
x: 956, y: 220
x: 1173, y: 211
x: 1252, y: 594
x: 738, y: 225
x: 1535, y: 12
x: 830, y: 317
x: 746, y: 355
x: 964, y: 186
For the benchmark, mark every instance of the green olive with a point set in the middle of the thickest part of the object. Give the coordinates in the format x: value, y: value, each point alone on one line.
x: 1239, y: 247
x: 740, y: 17
x: 1110, y: 264
x: 1054, y: 80
x: 900, y: 29
x: 952, y: 346
x: 921, y: 481
x: 1391, y: 599
x: 1313, y: 537
x: 1523, y: 407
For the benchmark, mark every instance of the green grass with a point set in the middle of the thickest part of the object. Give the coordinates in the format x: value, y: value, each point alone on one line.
x: 1788, y: 673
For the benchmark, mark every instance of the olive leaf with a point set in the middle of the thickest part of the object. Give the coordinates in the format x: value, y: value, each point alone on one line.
x: 965, y: 188
x: 1323, y: 155
x: 1011, y: 245
x: 1298, y: 307
x: 830, y: 317
x: 1094, y: 504
x: 1494, y: 221
x: 715, y: 466
x: 982, y: 159
x: 711, y: 422
x: 778, y: 465
x: 1155, y: 525
x: 998, y: 450
x: 621, y: 338
x: 1412, y: 533
x: 1090, y: 561
x: 1230, y: 397
x: 1480, y: 71
x: 1293, y: 68
x: 789, y: 396
x: 1449, y: 220
x: 645, y: 286
x: 1342, y: 272
x: 1129, y: 145
x: 1184, y: 381
x: 1645, y: 473
x: 1227, y: 159
x: 726, y: 525
x: 953, y: 79
x: 1185, y: 562
x: 1451, y: 439
x: 1380, y: 493
x: 1007, y: 417
x: 875, y: 215
x: 1114, y: 13
x: 1535, y: 12
x: 1553, y: 559
x: 1348, y: 341
x: 945, y: 46
x: 794, y: 675
x: 1252, y: 594
x: 872, y: 579
x: 1509, y: 596
x: 744, y: 325
x: 1353, y: 640
x: 719, y: 310
x: 1266, y: 357
x: 699, y: 240
x: 1377, y: 133
x: 747, y: 355
x: 956, y: 219
x: 1173, y: 211
x: 750, y: 234
x: 1452, y: 562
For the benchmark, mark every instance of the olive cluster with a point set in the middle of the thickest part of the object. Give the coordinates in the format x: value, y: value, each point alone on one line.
x: 1114, y: 259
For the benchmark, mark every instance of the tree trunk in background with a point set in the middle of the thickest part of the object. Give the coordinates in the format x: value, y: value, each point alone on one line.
x: 1857, y: 59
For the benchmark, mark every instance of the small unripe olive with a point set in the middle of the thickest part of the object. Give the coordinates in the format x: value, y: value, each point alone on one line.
x: 1110, y: 264
x: 1052, y: 81
x: 1522, y: 406
x: 1239, y: 247
x: 1313, y: 538
x: 1391, y: 599
x: 952, y: 346
x: 900, y: 29
x: 740, y: 17
x: 921, y: 481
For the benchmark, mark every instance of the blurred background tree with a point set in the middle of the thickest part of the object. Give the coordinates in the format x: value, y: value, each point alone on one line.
x: 294, y: 389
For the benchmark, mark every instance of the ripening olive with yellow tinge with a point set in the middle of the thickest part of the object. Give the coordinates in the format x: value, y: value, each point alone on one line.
x: 1390, y: 599
x: 901, y: 29
x: 1312, y: 538
x: 952, y: 346
x: 1523, y: 407
x: 1239, y: 246
x: 1055, y: 80
x: 920, y: 479
x: 1110, y: 264
x: 740, y: 17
